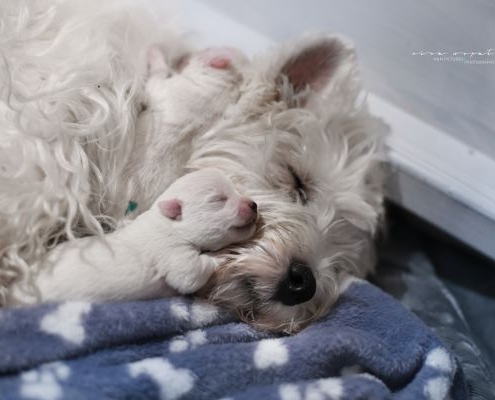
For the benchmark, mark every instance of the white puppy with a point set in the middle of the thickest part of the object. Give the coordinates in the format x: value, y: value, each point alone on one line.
x: 182, y: 100
x: 159, y: 253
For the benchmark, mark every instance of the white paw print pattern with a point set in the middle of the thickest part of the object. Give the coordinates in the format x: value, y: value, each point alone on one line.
x: 270, y: 353
x: 289, y: 391
x: 67, y: 321
x: 179, y: 310
x: 44, y: 383
x: 199, y: 313
x: 190, y: 341
x: 172, y: 382
x: 203, y: 313
x: 329, y: 388
x: 439, y: 386
x: 439, y: 359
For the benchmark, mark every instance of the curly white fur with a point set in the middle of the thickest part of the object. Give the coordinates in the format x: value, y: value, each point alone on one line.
x: 71, y: 78
x: 291, y: 130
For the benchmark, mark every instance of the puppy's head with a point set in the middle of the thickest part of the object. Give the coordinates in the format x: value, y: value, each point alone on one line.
x: 207, y: 211
x: 193, y: 88
x: 302, y: 145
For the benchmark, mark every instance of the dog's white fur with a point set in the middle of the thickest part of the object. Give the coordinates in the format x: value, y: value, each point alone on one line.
x: 290, y: 130
x: 159, y: 254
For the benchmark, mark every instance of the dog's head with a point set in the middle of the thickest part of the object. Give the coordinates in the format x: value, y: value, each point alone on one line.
x: 207, y: 210
x: 301, y: 143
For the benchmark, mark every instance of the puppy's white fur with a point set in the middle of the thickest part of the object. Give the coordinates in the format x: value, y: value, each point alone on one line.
x: 159, y: 254
x: 290, y: 130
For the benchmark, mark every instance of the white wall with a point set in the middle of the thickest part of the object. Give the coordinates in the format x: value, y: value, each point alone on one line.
x: 458, y: 98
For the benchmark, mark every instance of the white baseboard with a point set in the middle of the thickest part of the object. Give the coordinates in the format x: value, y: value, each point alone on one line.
x: 432, y: 174
x: 439, y: 178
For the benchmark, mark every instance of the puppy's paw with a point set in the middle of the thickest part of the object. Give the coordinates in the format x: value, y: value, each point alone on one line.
x: 191, y: 278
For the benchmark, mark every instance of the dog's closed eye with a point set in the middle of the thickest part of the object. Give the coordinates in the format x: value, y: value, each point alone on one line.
x: 300, y: 187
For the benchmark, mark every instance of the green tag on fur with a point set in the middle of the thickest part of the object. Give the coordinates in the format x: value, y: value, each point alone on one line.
x: 131, y: 207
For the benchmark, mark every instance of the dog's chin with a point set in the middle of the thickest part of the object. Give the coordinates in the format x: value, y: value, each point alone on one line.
x: 244, y: 231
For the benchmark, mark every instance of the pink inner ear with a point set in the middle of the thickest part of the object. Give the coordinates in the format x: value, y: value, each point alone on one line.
x: 171, y: 209
x: 182, y: 62
x: 220, y: 62
x: 314, y: 65
x: 221, y: 57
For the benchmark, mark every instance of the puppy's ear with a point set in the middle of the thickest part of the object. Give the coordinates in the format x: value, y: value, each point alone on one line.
x: 314, y: 64
x: 156, y: 61
x: 171, y: 209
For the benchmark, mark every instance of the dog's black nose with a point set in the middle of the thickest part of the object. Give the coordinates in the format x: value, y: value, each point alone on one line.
x: 298, y: 286
x: 253, y: 206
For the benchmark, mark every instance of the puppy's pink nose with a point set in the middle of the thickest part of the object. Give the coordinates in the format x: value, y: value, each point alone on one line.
x: 248, y: 209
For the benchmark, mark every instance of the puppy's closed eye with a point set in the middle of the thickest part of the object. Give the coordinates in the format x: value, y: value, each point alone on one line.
x: 221, y: 198
x: 300, y: 187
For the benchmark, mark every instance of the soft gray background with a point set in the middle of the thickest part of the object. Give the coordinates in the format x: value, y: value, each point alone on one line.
x: 455, y: 97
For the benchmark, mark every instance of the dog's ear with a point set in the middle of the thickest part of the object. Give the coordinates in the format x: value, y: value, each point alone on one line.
x: 314, y: 63
x: 171, y: 209
x: 156, y: 61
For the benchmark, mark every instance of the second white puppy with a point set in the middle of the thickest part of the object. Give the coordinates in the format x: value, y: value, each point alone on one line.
x: 158, y: 254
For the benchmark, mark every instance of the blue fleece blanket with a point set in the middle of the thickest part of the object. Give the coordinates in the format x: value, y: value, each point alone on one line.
x: 369, y: 347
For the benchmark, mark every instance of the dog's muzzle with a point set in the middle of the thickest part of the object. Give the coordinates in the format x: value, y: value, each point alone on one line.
x: 298, y: 286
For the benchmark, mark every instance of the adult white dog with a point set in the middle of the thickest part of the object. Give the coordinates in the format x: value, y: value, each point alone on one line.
x: 290, y: 130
